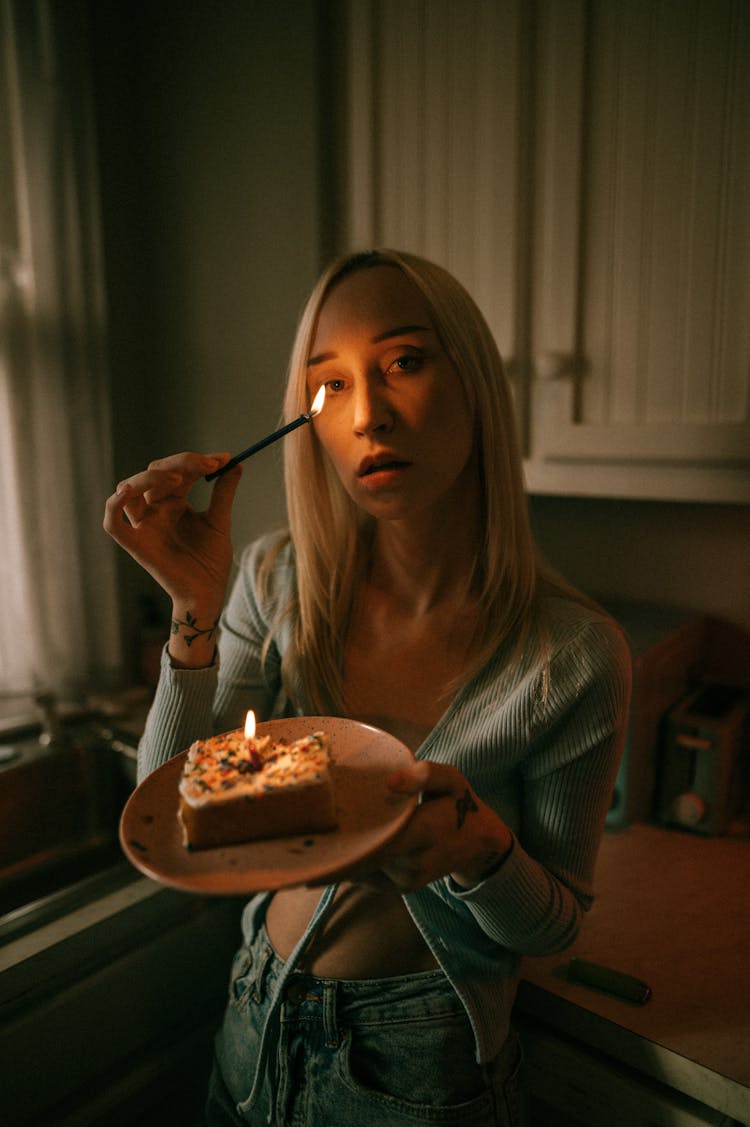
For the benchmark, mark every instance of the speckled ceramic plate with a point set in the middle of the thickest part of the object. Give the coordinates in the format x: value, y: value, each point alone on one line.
x: 369, y: 816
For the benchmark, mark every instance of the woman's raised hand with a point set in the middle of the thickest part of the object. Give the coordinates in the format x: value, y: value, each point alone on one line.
x: 187, y: 552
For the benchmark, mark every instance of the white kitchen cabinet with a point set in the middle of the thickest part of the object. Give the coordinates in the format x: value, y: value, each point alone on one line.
x: 582, y: 167
x: 435, y: 105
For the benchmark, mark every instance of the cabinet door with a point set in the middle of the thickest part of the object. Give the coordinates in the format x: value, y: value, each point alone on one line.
x: 569, y: 1084
x: 437, y: 107
x: 642, y: 304
x: 582, y: 167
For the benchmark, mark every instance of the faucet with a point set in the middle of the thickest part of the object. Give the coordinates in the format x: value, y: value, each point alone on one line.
x: 51, y: 723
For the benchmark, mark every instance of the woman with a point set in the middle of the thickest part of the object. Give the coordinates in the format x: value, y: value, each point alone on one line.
x: 407, y: 593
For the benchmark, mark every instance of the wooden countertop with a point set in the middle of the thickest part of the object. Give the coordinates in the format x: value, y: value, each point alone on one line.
x: 672, y: 908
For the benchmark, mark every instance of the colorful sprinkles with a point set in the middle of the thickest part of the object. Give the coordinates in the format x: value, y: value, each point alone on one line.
x: 232, y: 766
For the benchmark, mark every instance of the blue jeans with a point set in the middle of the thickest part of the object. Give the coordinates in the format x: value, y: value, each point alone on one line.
x: 376, y: 1053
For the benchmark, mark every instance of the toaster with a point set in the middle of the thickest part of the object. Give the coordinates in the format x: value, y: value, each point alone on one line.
x: 704, y: 768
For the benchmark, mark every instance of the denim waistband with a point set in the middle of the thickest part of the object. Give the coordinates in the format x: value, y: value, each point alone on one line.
x: 357, y: 1001
x: 294, y: 1000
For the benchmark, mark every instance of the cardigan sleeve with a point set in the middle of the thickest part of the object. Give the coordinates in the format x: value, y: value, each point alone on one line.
x: 191, y: 704
x: 533, y: 904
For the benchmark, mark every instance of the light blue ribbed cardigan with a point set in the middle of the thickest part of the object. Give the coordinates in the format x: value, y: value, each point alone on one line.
x: 541, y: 747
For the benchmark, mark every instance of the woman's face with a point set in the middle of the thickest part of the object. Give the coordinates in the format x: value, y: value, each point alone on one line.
x: 395, y: 423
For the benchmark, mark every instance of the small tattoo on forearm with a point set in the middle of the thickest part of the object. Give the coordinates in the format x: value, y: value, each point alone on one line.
x: 465, y: 805
x: 191, y: 628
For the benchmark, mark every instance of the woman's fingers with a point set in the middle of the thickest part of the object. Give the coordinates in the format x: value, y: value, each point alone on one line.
x: 450, y: 832
x: 189, y: 463
x: 169, y: 484
x: 116, y: 520
x: 431, y: 780
x: 177, y: 473
x: 165, y: 480
x: 222, y: 497
x: 187, y: 551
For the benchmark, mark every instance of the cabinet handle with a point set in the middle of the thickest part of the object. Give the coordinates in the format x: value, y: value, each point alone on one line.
x: 558, y: 366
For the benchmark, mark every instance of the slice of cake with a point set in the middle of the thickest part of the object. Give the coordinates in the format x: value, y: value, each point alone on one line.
x: 234, y: 789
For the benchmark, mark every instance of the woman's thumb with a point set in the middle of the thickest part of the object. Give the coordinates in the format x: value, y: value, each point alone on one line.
x: 222, y: 495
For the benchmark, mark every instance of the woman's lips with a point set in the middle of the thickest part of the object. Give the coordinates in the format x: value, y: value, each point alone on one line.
x: 379, y: 463
x: 380, y: 471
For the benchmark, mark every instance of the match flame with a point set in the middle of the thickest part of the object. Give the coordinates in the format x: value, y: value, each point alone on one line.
x: 250, y: 725
x: 317, y: 403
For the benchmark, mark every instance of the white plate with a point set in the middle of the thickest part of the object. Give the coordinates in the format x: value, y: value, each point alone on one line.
x: 369, y: 816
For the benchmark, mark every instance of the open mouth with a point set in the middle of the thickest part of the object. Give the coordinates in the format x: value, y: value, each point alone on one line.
x: 384, y: 461
x: 380, y: 467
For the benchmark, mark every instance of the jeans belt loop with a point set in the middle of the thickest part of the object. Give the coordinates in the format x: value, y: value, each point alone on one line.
x: 330, y: 1024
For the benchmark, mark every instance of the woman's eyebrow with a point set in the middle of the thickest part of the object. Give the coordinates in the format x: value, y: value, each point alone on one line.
x: 401, y: 330
x: 398, y: 331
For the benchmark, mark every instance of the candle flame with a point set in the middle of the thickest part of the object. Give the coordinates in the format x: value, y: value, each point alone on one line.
x: 317, y: 403
x: 250, y: 725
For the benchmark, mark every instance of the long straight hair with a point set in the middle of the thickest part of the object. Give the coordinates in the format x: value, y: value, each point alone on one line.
x: 331, y: 535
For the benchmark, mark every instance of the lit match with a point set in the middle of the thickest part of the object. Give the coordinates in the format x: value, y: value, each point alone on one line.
x: 315, y: 409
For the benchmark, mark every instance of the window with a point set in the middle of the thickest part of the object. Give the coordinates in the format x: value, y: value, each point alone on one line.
x: 59, y: 629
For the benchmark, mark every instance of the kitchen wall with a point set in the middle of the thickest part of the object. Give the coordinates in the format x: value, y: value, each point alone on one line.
x: 689, y: 555
x: 211, y: 204
x: 216, y: 206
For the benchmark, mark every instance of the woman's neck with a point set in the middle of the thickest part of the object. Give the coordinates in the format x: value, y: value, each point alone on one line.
x: 427, y: 561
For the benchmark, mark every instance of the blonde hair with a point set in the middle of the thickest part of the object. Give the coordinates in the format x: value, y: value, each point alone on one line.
x: 331, y: 535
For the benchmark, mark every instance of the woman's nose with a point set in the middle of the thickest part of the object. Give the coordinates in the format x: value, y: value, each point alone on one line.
x: 372, y: 410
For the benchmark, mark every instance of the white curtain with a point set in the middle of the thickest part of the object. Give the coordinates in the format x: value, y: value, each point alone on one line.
x: 58, y: 611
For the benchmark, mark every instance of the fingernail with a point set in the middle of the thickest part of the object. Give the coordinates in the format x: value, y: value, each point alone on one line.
x: 123, y: 487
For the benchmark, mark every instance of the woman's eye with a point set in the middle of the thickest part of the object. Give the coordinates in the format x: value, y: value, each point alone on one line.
x: 334, y: 385
x: 409, y: 362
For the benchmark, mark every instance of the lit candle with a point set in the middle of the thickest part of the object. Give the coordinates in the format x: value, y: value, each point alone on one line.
x: 250, y: 726
x: 254, y: 761
x: 315, y: 409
